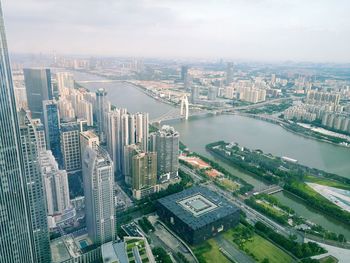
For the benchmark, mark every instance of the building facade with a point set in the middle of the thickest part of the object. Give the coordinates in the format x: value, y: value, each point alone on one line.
x: 39, y: 88
x: 16, y: 233
x: 98, y: 179
x: 70, y: 147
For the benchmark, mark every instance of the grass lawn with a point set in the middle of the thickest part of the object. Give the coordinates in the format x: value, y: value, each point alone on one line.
x: 228, y: 184
x: 327, y: 182
x: 209, y: 252
x: 328, y: 259
x: 260, y: 247
x: 272, y: 209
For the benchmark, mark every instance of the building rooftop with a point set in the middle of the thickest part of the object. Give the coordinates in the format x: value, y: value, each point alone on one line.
x: 198, y: 206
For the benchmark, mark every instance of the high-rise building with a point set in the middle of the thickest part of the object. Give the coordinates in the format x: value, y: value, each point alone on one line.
x: 70, y: 147
x: 229, y: 73
x: 144, y: 174
x: 101, y: 102
x: 129, y: 152
x: 55, y: 184
x: 52, y: 129
x: 40, y: 134
x: 16, y: 235
x: 113, y: 138
x: 212, y: 93
x: 142, y: 130
x: 39, y: 88
x: 165, y: 143
x: 35, y: 188
x: 98, y: 178
x: 88, y: 139
x: 65, y: 82
x: 184, y: 73
x: 194, y: 94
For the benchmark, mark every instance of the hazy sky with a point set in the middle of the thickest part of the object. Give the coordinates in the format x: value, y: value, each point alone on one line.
x: 312, y: 30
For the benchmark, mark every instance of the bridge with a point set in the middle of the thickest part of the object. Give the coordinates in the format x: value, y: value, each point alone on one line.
x: 175, y: 114
x: 271, y: 189
x: 98, y: 81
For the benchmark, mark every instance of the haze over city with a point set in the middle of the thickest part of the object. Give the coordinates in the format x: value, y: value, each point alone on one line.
x: 265, y: 30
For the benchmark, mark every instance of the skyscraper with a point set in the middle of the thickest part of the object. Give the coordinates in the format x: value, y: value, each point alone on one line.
x: 70, y: 147
x: 40, y: 134
x: 142, y: 130
x: 166, y: 145
x: 52, y: 129
x: 55, y: 184
x: 229, y: 73
x: 65, y: 82
x: 184, y: 73
x: 39, y: 88
x: 144, y: 174
x: 194, y: 94
x: 129, y: 152
x: 98, y: 179
x: 101, y: 102
x: 35, y: 188
x: 16, y: 233
x: 212, y: 93
x: 88, y: 139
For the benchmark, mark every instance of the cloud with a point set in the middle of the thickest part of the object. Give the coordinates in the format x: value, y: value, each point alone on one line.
x: 251, y: 29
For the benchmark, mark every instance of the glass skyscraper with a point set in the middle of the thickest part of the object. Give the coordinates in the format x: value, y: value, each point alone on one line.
x: 52, y: 129
x: 35, y: 188
x: 16, y: 233
x: 38, y: 88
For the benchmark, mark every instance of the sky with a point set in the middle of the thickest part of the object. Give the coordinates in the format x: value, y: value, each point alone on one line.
x: 264, y: 30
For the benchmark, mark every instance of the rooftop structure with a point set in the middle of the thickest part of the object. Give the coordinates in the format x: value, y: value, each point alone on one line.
x: 197, y: 213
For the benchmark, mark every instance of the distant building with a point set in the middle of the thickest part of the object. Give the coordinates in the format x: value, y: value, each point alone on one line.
x: 101, y: 102
x: 194, y: 94
x: 142, y: 130
x: 52, y: 129
x: 165, y: 143
x: 229, y: 73
x: 129, y: 152
x: 70, y: 146
x: 98, y: 179
x: 144, y: 174
x: 39, y: 88
x: 197, y: 214
x: 65, y: 82
x: 212, y: 93
x: 184, y: 73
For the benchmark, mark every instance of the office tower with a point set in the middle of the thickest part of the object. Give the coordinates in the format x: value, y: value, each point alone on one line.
x: 184, y: 73
x: 194, y: 94
x: 55, y: 184
x: 16, y: 235
x: 65, y: 82
x: 52, y: 129
x: 229, y: 73
x: 70, y: 147
x: 88, y: 139
x: 167, y: 147
x: 40, y: 133
x: 142, y: 130
x: 129, y: 152
x: 212, y: 93
x: 99, y: 195
x: 113, y: 139
x: 144, y: 174
x: 39, y: 88
x: 101, y: 102
x: 35, y: 188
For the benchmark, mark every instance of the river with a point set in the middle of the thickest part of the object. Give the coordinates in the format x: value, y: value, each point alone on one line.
x: 252, y: 133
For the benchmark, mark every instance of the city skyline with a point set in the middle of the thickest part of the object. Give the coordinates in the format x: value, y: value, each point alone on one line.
x: 261, y: 30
